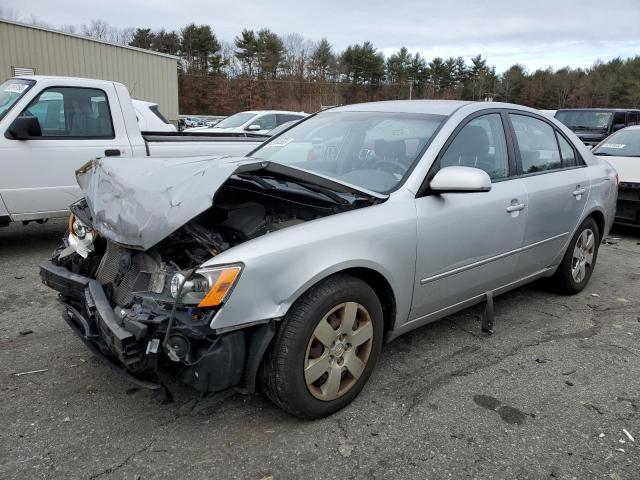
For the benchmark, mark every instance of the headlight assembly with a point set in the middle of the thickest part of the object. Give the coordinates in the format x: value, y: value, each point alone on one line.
x: 207, y: 287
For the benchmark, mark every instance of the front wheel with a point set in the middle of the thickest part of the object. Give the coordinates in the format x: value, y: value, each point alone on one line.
x: 579, y: 260
x: 325, y: 349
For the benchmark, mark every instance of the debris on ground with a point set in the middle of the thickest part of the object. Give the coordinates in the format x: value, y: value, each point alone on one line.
x: 569, y: 383
x: 569, y: 372
x: 612, y: 240
x: 595, y: 295
x: 620, y: 450
x: 629, y: 436
x: 25, y: 332
x: 30, y: 372
x: 345, y: 449
x: 623, y: 300
x: 542, y: 360
x: 601, y: 435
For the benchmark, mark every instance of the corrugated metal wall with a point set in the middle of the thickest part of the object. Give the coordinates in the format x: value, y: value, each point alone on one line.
x: 148, y: 76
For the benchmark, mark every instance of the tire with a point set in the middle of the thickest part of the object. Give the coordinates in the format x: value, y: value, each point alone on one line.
x: 298, y: 346
x: 565, y: 279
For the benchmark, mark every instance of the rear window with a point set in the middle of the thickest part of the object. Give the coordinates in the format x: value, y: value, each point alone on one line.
x: 584, y: 119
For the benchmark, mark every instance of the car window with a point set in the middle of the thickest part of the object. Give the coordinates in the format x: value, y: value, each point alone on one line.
x: 619, y: 119
x: 537, y: 144
x: 72, y: 113
x: 374, y: 150
x: 481, y: 144
x: 625, y: 143
x: 632, y: 118
x: 11, y: 91
x: 567, y: 152
x: 286, y: 117
x: 265, y: 122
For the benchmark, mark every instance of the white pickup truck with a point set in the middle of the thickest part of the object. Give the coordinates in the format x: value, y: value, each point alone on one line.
x: 51, y: 126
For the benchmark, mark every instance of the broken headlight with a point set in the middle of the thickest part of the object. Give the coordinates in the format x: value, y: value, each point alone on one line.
x: 206, y: 287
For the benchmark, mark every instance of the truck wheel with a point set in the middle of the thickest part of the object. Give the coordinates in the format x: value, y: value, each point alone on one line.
x: 579, y: 260
x: 325, y: 349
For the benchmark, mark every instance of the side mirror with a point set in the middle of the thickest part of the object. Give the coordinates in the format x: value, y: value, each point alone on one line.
x: 24, y: 128
x: 253, y: 128
x: 460, y: 179
x: 618, y: 126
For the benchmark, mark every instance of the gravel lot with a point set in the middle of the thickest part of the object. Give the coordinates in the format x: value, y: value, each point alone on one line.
x: 547, y: 396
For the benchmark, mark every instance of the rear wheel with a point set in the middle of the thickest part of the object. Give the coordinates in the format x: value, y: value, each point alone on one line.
x: 579, y: 260
x: 325, y: 349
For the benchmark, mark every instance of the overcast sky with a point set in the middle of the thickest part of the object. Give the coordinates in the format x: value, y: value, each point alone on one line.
x: 536, y: 33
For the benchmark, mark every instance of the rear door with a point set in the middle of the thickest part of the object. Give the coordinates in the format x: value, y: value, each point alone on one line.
x: 78, y: 124
x: 557, y: 185
x: 468, y: 243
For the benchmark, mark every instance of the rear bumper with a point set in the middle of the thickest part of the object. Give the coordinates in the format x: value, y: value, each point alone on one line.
x: 134, y: 350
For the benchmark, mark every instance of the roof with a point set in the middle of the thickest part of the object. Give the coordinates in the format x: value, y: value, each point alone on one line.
x: 65, y: 78
x: 274, y: 111
x: 437, y: 107
x: 89, y: 39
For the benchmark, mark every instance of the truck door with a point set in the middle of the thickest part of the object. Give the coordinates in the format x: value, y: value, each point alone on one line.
x: 77, y: 124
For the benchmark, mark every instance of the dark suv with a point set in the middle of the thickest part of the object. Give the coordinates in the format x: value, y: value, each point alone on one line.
x: 592, y: 125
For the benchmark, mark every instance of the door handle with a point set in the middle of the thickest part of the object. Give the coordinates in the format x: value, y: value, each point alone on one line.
x: 112, y: 152
x: 579, y: 191
x: 516, y: 208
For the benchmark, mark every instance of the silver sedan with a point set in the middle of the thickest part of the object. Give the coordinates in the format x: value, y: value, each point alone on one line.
x: 291, y: 267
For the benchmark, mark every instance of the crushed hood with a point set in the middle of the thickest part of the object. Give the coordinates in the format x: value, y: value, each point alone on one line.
x: 138, y: 202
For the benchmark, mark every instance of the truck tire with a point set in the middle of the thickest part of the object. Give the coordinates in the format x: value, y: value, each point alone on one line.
x: 325, y: 348
x: 579, y: 260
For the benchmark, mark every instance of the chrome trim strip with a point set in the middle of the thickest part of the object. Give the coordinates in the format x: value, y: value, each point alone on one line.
x: 490, y: 259
x: 22, y: 217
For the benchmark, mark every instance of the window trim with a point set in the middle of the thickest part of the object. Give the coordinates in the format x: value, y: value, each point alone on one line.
x: 424, y: 189
x: 75, y: 137
x: 580, y: 163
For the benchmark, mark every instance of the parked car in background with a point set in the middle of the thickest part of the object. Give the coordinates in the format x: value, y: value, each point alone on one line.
x: 592, y: 125
x: 149, y: 117
x: 622, y: 151
x: 256, y: 121
x: 50, y: 126
x: 292, y: 266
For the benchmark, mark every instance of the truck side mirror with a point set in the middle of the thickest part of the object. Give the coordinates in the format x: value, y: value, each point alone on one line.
x: 24, y: 128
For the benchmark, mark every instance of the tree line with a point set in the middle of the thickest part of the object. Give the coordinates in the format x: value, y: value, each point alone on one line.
x: 261, y: 69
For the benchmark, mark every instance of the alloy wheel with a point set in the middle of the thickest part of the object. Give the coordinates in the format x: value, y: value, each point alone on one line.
x: 583, y: 252
x: 338, y: 351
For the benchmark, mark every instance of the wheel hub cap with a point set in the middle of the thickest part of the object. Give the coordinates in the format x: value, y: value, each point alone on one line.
x: 583, y: 252
x: 338, y: 351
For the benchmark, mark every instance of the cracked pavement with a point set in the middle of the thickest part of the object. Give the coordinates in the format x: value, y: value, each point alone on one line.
x: 547, y: 396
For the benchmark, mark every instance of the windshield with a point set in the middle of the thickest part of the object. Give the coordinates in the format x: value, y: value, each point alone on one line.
x: 372, y: 150
x: 625, y: 143
x: 586, y: 119
x: 10, y: 93
x: 235, y: 121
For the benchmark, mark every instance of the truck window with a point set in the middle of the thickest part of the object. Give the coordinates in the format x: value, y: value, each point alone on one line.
x: 72, y: 112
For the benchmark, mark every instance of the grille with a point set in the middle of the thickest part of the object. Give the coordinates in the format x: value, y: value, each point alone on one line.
x: 126, y: 271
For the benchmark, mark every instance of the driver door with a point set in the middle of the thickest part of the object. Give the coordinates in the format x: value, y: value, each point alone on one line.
x: 467, y: 243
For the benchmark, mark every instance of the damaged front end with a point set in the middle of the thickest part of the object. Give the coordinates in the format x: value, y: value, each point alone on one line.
x: 130, y: 272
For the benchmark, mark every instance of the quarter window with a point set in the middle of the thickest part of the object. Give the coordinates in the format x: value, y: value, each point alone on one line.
x: 480, y: 144
x: 72, y: 112
x: 567, y: 152
x: 537, y: 144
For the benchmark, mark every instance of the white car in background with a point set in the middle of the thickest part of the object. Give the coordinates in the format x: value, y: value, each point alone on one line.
x: 150, y: 119
x: 254, y: 121
x: 622, y: 151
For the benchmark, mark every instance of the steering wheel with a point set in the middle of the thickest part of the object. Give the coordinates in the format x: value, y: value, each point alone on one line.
x: 390, y: 167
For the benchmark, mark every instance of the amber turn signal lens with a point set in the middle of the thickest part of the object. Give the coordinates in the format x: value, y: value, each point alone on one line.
x: 221, y: 287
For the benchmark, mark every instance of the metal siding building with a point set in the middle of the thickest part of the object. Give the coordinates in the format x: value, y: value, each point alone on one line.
x: 148, y: 75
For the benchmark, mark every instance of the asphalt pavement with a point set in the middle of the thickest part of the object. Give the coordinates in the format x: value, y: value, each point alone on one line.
x: 548, y: 395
